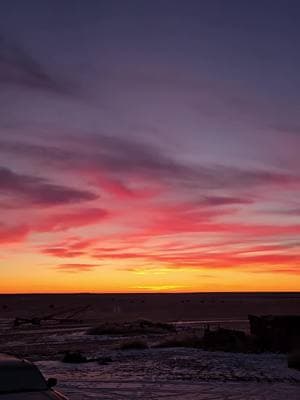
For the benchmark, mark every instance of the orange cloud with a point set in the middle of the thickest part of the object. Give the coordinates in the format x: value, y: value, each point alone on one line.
x: 76, y: 267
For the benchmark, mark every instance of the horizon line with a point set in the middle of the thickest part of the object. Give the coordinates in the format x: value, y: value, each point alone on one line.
x: 151, y: 293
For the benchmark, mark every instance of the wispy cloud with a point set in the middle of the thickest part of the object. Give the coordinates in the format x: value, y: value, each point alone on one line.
x: 283, y: 270
x: 19, y: 68
x: 158, y: 288
x: 62, y: 252
x: 130, y: 158
x: 63, y: 221
x: 27, y: 189
x: 218, y: 201
x: 76, y: 267
x: 54, y: 222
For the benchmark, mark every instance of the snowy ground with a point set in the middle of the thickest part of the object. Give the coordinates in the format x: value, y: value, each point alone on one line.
x: 174, y: 374
x: 178, y: 374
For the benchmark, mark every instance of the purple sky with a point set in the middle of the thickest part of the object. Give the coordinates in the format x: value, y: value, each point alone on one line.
x: 160, y: 121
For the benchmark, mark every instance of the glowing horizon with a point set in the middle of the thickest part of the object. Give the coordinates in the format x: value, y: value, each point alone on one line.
x: 148, y: 160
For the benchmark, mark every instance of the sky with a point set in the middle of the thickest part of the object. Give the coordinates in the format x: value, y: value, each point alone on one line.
x: 149, y: 146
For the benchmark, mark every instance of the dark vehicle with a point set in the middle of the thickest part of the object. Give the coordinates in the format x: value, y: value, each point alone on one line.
x: 21, y: 379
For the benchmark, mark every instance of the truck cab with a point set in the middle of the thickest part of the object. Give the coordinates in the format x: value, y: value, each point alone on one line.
x: 21, y: 379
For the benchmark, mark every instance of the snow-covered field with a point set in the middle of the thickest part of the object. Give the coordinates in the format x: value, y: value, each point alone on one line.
x: 178, y: 374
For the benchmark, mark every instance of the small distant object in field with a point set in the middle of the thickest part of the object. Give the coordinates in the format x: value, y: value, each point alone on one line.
x: 74, y: 357
x: 131, y: 328
x: 294, y: 359
x: 134, y: 345
x: 104, y: 360
x: 193, y: 341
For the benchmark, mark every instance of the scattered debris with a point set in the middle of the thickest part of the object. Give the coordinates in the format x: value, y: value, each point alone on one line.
x: 62, y: 316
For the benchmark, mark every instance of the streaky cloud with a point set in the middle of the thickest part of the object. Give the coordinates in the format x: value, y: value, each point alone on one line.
x: 19, y: 68
x: 66, y: 220
x: 39, y: 192
x: 126, y: 158
x: 75, y: 267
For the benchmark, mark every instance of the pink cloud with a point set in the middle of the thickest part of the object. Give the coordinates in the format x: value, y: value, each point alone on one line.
x: 71, y: 219
x: 10, y: 235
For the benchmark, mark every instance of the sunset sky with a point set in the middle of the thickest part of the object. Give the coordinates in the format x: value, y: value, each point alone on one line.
x: 149, y: 145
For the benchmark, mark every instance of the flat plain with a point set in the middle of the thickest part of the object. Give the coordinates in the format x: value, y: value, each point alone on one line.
x: 160, y: 373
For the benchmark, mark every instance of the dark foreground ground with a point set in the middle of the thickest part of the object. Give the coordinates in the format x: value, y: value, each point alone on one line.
x: 154, y: 373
